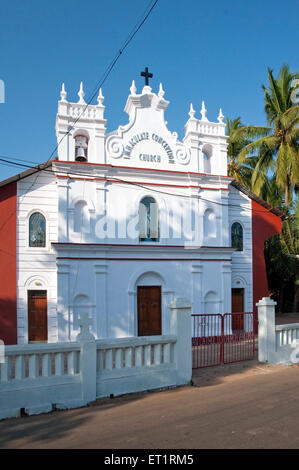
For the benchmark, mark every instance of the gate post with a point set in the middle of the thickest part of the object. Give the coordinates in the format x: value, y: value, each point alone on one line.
x: 266, y: 330
x: 180, y: 325
x: 222, y: 340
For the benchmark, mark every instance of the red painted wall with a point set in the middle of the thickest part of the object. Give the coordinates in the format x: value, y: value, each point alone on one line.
x: 264, y: 225
x: 8, y: 263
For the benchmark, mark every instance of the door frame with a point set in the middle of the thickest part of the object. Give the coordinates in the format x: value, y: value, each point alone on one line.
x: 237, y: 318
x: 46, y: 296
x: 161, y: 303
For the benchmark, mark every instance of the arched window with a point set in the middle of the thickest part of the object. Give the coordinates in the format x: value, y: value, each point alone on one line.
x: 209, y: 224
x: 211, y: 305
x: 237, y: 236
x: 37, y: 230
x: 81, y: 217
x: 148, y: 220
x: 207, y: 151
x: 82, y: 305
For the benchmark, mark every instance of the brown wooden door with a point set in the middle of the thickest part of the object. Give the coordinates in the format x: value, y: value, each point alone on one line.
x: 37, y: 315
x: 149, y: 310
x: 238, y: 307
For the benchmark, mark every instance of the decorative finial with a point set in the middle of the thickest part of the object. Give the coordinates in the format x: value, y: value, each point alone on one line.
x: 133, y: 88
x: 192, y: 111
x: 203, y: 112
x: 63, y: 93
x: 81, y: 94
x: 220, y: 117
x: 161, y: 91
x: 100, y: 98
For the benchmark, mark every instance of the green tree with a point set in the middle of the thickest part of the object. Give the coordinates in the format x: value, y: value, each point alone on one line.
x: 282, y: 260
x: 239, y: 137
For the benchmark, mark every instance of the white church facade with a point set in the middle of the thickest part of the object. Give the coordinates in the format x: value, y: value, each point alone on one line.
x: 121, y: 223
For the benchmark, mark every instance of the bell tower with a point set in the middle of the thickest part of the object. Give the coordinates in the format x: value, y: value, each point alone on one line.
x: 80, y: 129
x: 207, y: 142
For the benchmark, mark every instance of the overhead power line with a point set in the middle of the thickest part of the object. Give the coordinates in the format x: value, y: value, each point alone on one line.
x: 148, y: 187
x: 106, y: 73
x: 100, y: 83
x: 110, y: 67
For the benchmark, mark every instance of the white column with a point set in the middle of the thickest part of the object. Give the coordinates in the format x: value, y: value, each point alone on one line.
x: 266, y: 335
x: 226, y: 294
x: 63, y: 301
x: 224, y: 219
x: 197, y: 273
x: 180, y: 325
x: 63, y: 213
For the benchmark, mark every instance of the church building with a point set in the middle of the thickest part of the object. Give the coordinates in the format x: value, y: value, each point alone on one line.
x: 121, y: 223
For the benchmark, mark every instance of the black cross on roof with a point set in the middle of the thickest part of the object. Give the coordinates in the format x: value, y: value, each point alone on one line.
x: 146, y: 74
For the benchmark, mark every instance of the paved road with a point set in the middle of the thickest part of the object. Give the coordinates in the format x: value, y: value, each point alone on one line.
x: 238, y: 406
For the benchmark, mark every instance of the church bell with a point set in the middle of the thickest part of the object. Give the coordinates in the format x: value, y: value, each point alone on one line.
x: 81, y: 146
x: 80, y: 155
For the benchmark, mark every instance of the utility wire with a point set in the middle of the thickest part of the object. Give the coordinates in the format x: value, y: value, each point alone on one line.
x: 109, y: 69
x: 72, y: 174
x: 100, y: 83
x: 105, y: 75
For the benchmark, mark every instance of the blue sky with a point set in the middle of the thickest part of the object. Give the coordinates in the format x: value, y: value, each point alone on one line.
x: 217, y: 51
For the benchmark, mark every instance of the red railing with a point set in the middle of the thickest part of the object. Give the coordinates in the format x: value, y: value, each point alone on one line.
x: 223, y: 339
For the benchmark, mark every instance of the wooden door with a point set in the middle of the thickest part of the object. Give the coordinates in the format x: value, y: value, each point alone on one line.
x: 149, y: 310
x: 238, y: 307
x: 37, y: 315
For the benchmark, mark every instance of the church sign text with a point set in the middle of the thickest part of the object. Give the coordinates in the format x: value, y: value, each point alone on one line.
x: 144, y: 136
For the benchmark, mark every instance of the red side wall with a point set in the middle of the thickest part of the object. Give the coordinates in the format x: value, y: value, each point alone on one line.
x: 8, y: 263
x: 264, y: 225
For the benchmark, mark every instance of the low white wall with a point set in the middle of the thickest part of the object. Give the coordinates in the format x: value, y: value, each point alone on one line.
x: 278, y: 344
x: 40, y: 377
x: 133, y: 365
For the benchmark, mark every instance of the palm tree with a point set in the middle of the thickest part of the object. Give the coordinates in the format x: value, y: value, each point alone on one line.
x: 278, y: 145
x: 238, y: 139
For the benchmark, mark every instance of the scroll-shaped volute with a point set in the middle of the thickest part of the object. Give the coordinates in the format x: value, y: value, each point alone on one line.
x: 115, y: 147
x: 182, y: 154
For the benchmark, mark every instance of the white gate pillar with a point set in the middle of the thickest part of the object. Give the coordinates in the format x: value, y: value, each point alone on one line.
x: 180, y: 325
x: 266, y: 329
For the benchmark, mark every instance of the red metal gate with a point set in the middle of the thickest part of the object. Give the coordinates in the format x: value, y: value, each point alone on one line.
x: 222, y: 339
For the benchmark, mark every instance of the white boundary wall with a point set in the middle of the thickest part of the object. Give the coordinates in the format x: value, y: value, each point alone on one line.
x: 277, y: 343
x: 37, y: 378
